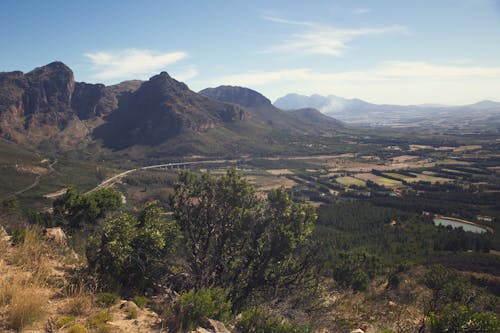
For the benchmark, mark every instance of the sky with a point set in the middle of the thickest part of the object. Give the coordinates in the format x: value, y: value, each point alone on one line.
x: 393, y: 52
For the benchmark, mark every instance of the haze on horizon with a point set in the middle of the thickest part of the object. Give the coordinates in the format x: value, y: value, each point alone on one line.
x: 392, y: 52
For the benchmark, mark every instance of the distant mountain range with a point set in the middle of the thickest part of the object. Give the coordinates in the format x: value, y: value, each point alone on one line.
x: 356, y: 111
x: 47, y: 108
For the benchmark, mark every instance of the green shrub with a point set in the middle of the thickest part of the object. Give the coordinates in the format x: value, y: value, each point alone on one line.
x: 99, y: 319
x: 193, y: 307
x: 463, y: 319
x: 65, y: 320
x: 259, y: 320
x: 77, y: 328
x: 132, y: 314
x: 140, y: 301
x: 106, y: 300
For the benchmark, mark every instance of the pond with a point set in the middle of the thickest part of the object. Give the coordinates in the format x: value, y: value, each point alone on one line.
x: 456, y: 224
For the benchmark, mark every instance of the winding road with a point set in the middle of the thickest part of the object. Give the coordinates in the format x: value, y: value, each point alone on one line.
x: 109, y: 181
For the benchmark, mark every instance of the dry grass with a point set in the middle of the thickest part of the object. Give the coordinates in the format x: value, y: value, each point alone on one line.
x: 79, y: 302
x: 32, y: 256
x: 26, y: 305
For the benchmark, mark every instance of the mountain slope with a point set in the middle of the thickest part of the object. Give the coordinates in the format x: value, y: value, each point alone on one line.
x: 313, y: 116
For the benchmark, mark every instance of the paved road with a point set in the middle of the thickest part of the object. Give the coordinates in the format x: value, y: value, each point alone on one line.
x: 116, y: 177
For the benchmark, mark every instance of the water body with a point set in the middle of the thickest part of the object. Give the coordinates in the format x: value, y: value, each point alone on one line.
x: 456, y: 224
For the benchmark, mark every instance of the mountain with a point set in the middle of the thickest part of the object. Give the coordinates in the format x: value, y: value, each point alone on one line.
x: 261, y: 109
x: 313, y: 116
x: 160, y: 109
x: 47, y: 106
x: 35, y: 104
x: 356, y: 111
x: 237, y: 95
x: 47, y: 109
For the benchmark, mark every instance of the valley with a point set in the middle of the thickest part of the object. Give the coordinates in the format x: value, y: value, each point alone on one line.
x: 380, y: 212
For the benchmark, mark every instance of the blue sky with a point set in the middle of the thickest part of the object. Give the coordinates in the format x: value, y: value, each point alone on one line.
x: 404, y: 52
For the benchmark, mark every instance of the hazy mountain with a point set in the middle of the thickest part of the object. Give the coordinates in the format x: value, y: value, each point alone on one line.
x: 313, y: 116
x: 261, y: 109
x: 357, y: 111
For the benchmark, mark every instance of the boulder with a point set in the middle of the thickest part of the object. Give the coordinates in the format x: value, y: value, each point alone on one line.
x: 217, y: 326
x: 56, y: 235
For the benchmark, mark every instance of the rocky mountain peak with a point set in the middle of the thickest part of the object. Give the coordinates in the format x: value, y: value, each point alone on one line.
x: 50, y: 88
x: 164, y: 80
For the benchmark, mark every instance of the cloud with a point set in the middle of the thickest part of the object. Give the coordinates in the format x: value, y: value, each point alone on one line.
x: 185, y: 74
x: 390, y: 82
x: 325, y: 40
x: 388, y: 70
x: 130, y: 63
x: 362, y: 10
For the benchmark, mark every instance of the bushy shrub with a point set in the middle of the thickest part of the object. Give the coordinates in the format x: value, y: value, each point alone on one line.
x: 99, y: 321
x: 64, y: 321
x: 135, y: 249
x: 463, y: 319
x: 132, y: 314
x: 192, y: 307
x: 259, y: 320
x: 140, y: 301
x: 77, y: 328
x: 106, y: 300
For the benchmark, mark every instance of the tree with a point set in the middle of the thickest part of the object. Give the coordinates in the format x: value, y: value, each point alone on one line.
x: 238, y: 240
x: 79, y: 209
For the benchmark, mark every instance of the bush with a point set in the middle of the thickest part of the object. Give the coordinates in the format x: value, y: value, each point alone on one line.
x: 140, y: 301
x: 132, y: 314
x: 192, y: 307
x: 65, y: 320
x: 79, y: 305
x: 77, y: 328
x: 135, y: 248
x: 106, y: 300
x: 259, y: 320
x: 463, y: 319
x: 99, y: 321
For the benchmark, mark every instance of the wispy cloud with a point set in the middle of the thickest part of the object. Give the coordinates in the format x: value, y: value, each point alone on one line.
x: 402, y: 82
x: 130, y: 63
x: 324, y: 39
x: 361, y: 10
x: 389, y: 70
x: 185, y: 74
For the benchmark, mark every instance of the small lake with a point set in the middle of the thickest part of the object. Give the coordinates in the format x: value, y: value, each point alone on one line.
x: 456, y: 224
